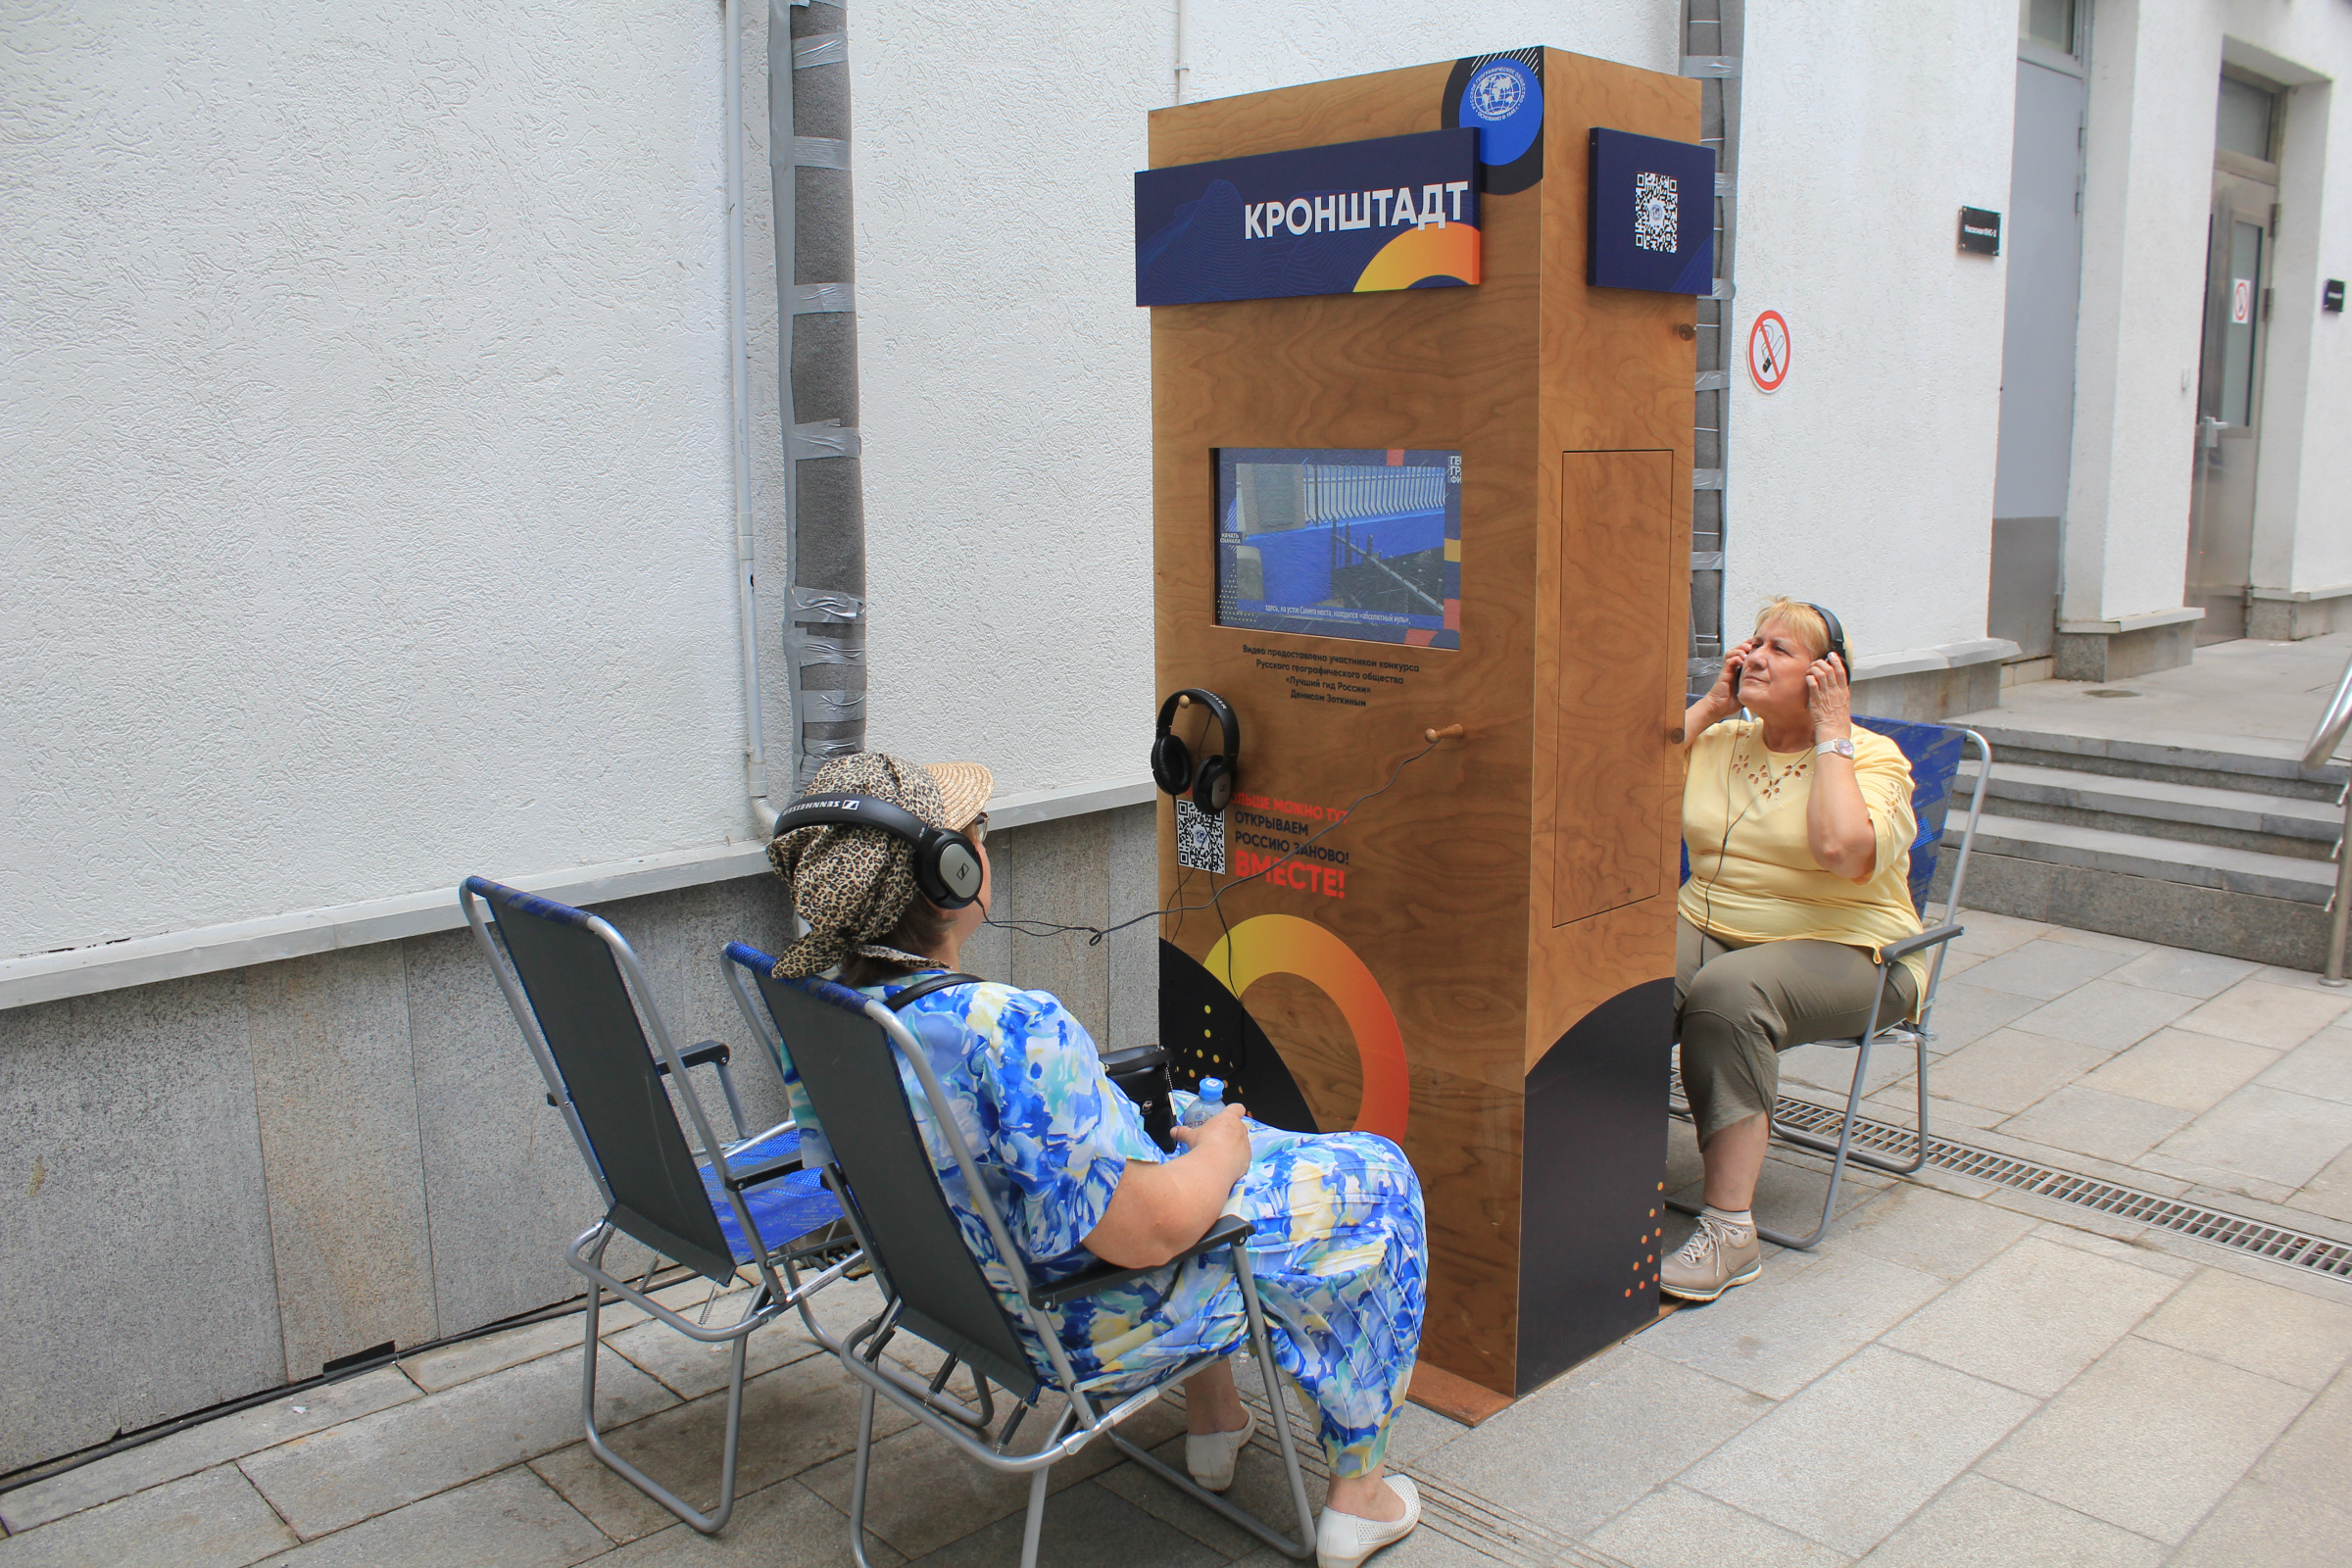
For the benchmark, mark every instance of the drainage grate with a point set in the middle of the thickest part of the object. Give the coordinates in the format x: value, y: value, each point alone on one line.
x: 2314, y: 1252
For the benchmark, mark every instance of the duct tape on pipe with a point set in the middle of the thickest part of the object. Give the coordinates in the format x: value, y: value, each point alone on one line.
x: 810, y: 299
x: 813, y: 605
x: 829, y: 440
x: 820, y: 152
x: 820, y: 49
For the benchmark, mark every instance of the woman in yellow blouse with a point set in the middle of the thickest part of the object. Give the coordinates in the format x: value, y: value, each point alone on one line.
x: 1799, y: 828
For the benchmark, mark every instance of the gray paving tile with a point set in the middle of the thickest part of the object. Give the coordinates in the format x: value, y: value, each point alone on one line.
x: 2008, y: 1070
x: 511, y: 1519
x: 2034, y: 1317
x: 210, y: 1520
x: 2321, y: 1067
x: 2283, y: 1334
x: 800, y: 1415
x: 1594, y: 1440
x: 1674, y: 1526
x: 1930, y: 1231
x: 2266, y: 1132
x: 2181, y: 1068
x: 452, y: 1364
x: 2183, y: 973
x: 924, y: 1494
x: 2100, y: 941
x: 2330, y: 1192
x: 783, y: 1526
x: 2278, y: 1529
x: 1991, y: 934
x: 2094, y: 1122
x: 2136, y: 1251
x: 1966, y: 1011
x: 1831, y: 1067
x: 1860, y: 1452
x: 1981, y: 1523
x: 1146, y: 1492
x: 2148, y: 1438
x: 690, y: 1368
x: 2314, y: 1458
x: 1777, y: 1334
x: 2261, y: 1014
x: 2192, y: 1178
x: 2043, y: 969
x: 327, y: 1480
x: 1085, y: 1527
x: 200, y: 1447
x: 2105, y: 1014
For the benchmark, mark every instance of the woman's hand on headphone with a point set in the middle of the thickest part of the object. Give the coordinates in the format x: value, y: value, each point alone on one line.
x: 1725, y: 693
x: 1829, y: 698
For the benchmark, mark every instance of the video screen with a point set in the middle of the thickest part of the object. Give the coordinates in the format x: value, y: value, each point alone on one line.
x: 1335, y: 542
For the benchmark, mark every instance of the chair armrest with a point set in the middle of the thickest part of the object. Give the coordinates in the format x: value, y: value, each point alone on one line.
x: 709, y: 1051
x: 767, y: 1170
x: 1229, y: 1229
x: 1925, y: 939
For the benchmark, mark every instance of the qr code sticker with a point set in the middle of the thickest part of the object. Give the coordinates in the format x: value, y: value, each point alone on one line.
x: 1657, y: 212
x: 1199, y: 839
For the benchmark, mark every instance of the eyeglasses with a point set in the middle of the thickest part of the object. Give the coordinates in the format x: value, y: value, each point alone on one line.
x: 977, y: 829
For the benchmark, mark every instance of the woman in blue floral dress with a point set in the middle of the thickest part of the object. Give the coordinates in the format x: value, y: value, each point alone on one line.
x: 1338, y: 1254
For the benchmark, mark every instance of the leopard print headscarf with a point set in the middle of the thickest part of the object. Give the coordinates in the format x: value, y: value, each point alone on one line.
x: 853, y: 885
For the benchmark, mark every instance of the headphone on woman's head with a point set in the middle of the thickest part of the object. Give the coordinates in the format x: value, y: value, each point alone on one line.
x: 946, y: 864
x: 1172, y: 769
x: 1836, y: 633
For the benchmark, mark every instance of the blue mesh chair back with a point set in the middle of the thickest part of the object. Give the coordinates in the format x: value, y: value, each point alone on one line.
x: 592, y: 1030
x: 1934, y: 753
x: 850, y: 1069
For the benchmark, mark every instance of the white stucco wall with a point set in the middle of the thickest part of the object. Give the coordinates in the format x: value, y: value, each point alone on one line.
x: 369, y: 509
x: 2155, y: 74
x: 1007, y: 371
x: 1866, y: 482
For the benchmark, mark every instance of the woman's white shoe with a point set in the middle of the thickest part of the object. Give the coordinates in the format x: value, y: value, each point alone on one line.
x: 1342, y: 1540
x: 1210, y: 1457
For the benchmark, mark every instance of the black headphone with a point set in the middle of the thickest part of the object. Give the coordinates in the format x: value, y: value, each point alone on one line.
x: 1829, y: 623
x: 1212, y: 784
x: 946, y: 866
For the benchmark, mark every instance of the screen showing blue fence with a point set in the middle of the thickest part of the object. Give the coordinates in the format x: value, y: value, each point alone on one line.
x: 1340, y: 542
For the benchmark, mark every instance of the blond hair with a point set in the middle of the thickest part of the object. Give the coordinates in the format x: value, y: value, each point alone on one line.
x: 1800, y: 617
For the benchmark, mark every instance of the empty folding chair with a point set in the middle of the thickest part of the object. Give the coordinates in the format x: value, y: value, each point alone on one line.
x: 850, y: 1053
x: 580, y: 998
x: 1935, y: 753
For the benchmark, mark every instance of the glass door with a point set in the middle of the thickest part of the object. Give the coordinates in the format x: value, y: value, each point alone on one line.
x: 2237, y: 276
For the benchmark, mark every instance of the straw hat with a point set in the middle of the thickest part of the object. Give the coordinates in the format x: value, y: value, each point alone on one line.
x: 963, y: 790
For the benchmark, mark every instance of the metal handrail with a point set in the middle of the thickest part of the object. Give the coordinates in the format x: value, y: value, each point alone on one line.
x: 2330, y: 734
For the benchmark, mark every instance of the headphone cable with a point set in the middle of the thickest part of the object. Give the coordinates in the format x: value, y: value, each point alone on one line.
x: 1048, y: 928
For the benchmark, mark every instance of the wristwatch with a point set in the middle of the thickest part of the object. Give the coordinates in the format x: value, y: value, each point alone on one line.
x: 1844, y: 748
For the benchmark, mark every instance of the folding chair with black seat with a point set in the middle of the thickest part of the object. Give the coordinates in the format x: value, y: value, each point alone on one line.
x: 849, y: 1052
x: 1935, y: 753
x: 581, y: 1000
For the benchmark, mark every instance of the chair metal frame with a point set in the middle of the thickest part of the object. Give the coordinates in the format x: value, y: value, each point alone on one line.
x: 1840, y: 1149
x: 1089, y: 1413
x: 775, y: 1294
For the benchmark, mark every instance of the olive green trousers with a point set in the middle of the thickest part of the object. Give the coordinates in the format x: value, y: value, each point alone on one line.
x: 1737, y: 1009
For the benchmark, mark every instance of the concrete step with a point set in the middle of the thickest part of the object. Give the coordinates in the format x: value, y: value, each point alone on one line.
x: 2249, y: 770
x: 2197, y: 813
x: 2203, y: 897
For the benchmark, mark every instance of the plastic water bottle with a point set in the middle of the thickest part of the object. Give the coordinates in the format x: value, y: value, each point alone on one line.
x: 1211, y: 1101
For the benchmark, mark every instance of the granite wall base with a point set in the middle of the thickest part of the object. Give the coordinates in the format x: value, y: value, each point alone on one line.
x: 2120, y: 656
x: 223, y: 1182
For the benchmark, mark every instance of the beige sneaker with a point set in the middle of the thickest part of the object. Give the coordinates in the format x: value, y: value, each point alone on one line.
x: 1717, y: 1256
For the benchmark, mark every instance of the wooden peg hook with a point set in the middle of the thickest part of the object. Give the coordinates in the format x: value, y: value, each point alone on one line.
x: 1452, y: 732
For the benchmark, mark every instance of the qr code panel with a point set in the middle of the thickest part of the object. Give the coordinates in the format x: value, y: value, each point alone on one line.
x: 1657, y: 212
x: 1199, y: 839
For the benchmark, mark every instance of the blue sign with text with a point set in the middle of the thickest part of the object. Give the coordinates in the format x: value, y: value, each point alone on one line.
x: 1400, y: 211
x: 1653, y: 219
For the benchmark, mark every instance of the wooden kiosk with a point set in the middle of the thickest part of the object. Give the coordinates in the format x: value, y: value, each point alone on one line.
x: 1477, y: 960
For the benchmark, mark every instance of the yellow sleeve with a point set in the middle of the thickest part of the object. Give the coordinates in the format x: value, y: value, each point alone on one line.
x: 1883, y: 774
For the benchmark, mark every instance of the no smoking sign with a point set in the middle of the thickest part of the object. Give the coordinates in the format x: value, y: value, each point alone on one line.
x: 1768, y: 351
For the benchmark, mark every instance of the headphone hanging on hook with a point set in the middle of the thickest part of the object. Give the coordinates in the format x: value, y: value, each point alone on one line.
x: 946, y: 864
x: 1212, y: 781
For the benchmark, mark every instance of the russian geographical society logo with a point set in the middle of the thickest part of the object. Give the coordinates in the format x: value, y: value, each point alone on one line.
x: 1497, y: 92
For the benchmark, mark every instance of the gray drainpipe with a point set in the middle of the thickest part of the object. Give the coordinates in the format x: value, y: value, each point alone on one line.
x: 825, y: 496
